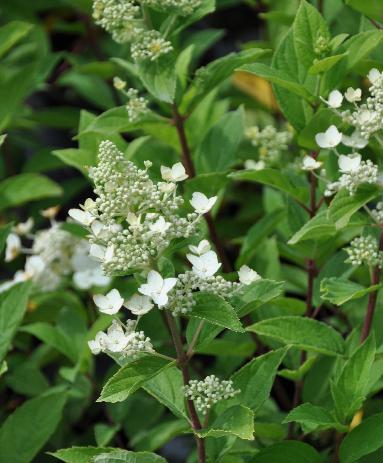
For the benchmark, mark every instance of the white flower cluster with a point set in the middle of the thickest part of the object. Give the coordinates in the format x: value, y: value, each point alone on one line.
x: 181, y: 7
x: 133, y: 218
x: 269, y: 141
x: 137, y: 106
x: 121, y: 339
x: 53, y: 255
x: 377, y: 213
x: 122, y: 20
x: 150, y: 46
x: 364, y: 250
x: 367, y: 117
x: 208, y: 392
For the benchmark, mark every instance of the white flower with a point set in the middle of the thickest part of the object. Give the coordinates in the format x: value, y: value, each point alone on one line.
x: 83, y: 217
x: 374, y: 75
x: 97, y: 228
x: 51, y: 212
x: 254, y: 165
x: 203, y: 246
x: 99, y: 343
x: 201, y: 203
x: 329, y: 139
x: 89, y: 205
x: 334, y: 99
x: 97, y: 251
x: 176, y: 173
x: 13, y: 247
x: 160, y: 226
x: 139, y: 305
x: 109, y: 254
x: 116, y: 339
x: 247, y: 275
x: 309, y: 163
x: 352, y: 95
x: 166, y: 187
x: 349, y: 163
x: 157, y: 288
x: 133, y: 219
x: 85, y: 279
x: 206, y: 265
x: 111, y: 303
x: 24, y: 227
x: 355, y: 140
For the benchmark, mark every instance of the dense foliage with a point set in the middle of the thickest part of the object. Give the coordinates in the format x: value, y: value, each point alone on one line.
x: 192, y: 236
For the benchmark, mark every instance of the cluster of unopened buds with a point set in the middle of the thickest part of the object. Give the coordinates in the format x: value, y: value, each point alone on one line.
x: 52, y: 255
x: 126, y: 23
x: 208, y: 392
x: 136, y: 106
x: 364, y: 250
x: 270, y: 143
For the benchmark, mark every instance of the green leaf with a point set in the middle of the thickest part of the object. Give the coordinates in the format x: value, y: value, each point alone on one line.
x: 218, y: 150
x: 301, y: 332
x: 157, y: 436
x: 279, y: 77
x: 351, y: 388
x: 256, y: 378
x: 320, y: 122
x: 372, y: 8
x: 319, y: 227
x: 340, y: 290
x: 78, y: 158
x: 344, y: 206
x: 308, y: 27
x: 274, y: 178
x: 12, y: 33
x: 210, y: 76
x: 4, y: 232
x: 131, y: 377
x: 13, y: 303
x: 236, y: 421
x: 325, y: 64
x: 360, y: 46
x: 32, y: 423
x: 215, y: 310
x: 166, y: 387
x: 23, y: 188
x: 300, y: 372
x: 362, y: 440
x: 80, y: 454
x: 257, y: 233
x: 287, y: 452
x: 312, y: 418
x: 124, y: 456
x: 159, y: 77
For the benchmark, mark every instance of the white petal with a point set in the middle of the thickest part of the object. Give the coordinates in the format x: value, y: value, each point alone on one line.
x: 13, y: 247
x: 97, y: 251
x: 160, y: 299
x: 115, y: 300
x: 155, y: 280
x: 374, y: 75
x: 349, y: 163
x: 83, y: 217
x: 101, y: 302
x: 146, y: 289
x: 335, y: 99
x: 169, y: 284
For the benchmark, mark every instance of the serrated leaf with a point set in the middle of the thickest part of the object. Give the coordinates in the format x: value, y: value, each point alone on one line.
x: 80, y: 454
x: 13, y: 304
x: 124, y: 456
x: 301, y: 332
x: 32, y: 423
x: 325, y: 64
x: 319, y: 227
x: 216, y: 310
x: 341, y: 290
x: 131, y: 377
x: 236, y: 421
x: 288, y: 452
x: 159, y: 77
x: 312, y: 418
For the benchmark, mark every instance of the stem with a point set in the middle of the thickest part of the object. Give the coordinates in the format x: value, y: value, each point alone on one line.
x: 371, y: 305
x: 193, y: 342
x: 187, y: 161
x: 182, y: 364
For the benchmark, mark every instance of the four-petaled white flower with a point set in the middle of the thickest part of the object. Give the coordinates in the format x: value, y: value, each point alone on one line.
x: 176, y: 173
x: 309, y: 163
x: 349, y: 163
x: 355, y: 140
x: 204, y: 266
x: 13, y: 247
x: 159, y: 226
x: 202, y: 248
x: 83, y: 217
x: 334, y: 99
x: 24, y: 228
x: 247, y: 275
x: 329, y: 139
x: 374, y: 75
x: 116, y: 339
x: 97, y: 251
x: 352, y: 95
x: 157, y: 288
x: 201, y: 203
x: 99, y: 343
x: 111, y: 303
x: 139, y: 305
